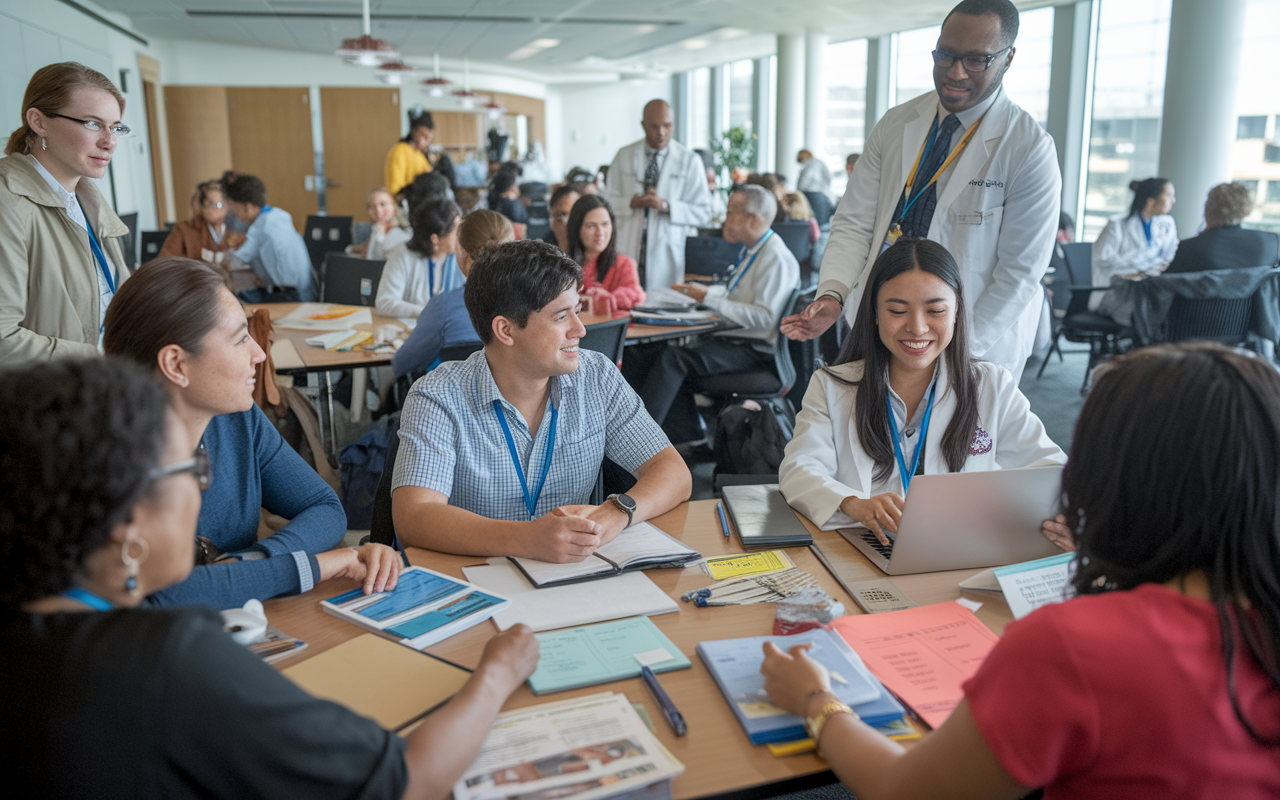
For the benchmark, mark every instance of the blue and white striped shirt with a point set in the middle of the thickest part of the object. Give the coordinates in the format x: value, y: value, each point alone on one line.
x: 451, y: 440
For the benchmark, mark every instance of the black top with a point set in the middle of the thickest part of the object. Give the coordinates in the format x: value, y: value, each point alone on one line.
x: 1225, y: 247
x: 162, y: 703
x: 550, y: 238
x: 511, y: 209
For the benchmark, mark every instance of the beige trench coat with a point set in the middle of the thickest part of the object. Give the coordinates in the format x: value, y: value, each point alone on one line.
x: 48, y: 277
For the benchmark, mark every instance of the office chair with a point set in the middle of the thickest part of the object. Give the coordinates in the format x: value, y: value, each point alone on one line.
x: 151, y: 241
x: 609, y: 338
x: 762, y: 384
x: 130, y: 243
x: 323, y: 235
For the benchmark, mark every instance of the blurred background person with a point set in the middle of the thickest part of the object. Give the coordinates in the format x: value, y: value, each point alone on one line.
x: 610, y: 281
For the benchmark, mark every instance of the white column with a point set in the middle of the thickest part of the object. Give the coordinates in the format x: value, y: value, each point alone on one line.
x: 815, y: 90
x: 1197, y: 132
x: 882, y: 64
x: 762, y: 93
x: 1071, y: 95
x: 791, y: 97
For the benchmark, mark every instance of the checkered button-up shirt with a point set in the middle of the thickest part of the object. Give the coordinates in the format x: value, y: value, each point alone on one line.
x: 451, y: 440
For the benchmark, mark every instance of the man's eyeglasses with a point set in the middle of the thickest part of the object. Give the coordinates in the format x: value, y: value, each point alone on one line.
x: 973, y: 63
x: 197, y: 465
x: 559, y: 217
x: 119, y: 130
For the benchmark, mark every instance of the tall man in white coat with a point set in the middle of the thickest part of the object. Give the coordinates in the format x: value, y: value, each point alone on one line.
x: 967, y: 168
x: 658, y: 190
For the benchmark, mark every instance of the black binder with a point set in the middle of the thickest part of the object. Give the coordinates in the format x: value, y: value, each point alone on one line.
x: 762, y: 517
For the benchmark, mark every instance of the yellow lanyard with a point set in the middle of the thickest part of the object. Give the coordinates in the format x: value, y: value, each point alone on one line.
x: 964, y: 142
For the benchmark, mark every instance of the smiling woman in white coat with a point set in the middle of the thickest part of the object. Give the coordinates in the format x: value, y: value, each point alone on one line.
x: 904, y: 398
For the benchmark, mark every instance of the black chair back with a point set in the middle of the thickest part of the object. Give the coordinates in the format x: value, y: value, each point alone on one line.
x: 823, y: 208
x: 795, y: 235
x: 1216, y: 320
x: 152, y: 241
x: 324, y: 235
x: 1079, y: 258
x: 710, y: 255
x: 759, y: 385
x: 349, y: 280
x: 459, y: 352
x: 609, y: 338
x: 382, y: 528
x: 130, y: 243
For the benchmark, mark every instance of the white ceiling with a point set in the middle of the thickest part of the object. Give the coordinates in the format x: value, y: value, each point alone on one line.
x: 657, y: 35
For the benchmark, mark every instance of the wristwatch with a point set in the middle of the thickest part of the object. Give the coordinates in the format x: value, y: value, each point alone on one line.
x: 625, y: 504
x: 829, y: 709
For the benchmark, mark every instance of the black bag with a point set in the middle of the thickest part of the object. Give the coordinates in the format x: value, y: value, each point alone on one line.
x: 751, y: 437
x: 361, y: 463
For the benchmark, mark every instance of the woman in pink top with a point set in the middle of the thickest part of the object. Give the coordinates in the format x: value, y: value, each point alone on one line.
x: 1159, y: 678
x: 611, y: 280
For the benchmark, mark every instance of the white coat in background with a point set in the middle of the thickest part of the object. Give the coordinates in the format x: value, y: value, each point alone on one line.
x: 682, y: 182
x: 997, y: 214
x: 825, y: 462
x: 1122, y: 249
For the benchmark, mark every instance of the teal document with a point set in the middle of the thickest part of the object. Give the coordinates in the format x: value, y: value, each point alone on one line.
x: 609, y: 651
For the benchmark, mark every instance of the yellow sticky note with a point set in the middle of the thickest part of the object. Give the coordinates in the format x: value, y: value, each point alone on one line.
x: 748, y: 564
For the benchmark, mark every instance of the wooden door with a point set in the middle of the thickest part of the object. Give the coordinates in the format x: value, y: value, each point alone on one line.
x: 360, y: 125
x: 271, y: 138
x: 199, y: 139
x: 163, y: 212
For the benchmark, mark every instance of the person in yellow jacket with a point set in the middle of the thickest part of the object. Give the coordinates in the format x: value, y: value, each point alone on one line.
x: 408, y: 157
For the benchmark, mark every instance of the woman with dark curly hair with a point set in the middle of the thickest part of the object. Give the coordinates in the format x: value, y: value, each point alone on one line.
x: 180, y: 322
x: 97, y: 511
x: 1161, y: 676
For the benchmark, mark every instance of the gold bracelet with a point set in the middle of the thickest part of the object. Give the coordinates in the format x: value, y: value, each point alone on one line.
x: 828, y: 710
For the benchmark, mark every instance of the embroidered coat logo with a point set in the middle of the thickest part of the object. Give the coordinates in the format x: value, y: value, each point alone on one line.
x: 981, y: 442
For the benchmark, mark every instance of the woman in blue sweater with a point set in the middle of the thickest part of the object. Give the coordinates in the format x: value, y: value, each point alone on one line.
x: 182, y: 322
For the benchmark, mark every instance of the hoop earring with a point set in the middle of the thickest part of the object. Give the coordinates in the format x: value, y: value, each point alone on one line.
x: 132, y: 562
x: 43, y: 144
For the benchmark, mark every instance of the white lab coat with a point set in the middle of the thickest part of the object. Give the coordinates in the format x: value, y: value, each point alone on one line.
x: 997, y: 214
x: 825, y: 463
x: 1122, y: 249
x: 682, y: 182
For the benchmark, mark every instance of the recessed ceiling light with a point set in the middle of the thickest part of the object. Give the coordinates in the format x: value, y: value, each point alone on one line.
x: 643, y: 29
x: 545, y: 43
x: 694, y: 44
x: 733, y: 33
x: 524, y: 52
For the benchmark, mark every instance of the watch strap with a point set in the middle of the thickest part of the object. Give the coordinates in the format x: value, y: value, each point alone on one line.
x: 828, y: 710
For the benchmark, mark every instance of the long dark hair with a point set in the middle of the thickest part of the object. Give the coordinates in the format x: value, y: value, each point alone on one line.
x: 1143, y: 191
x: 577, y: 215
x: 431, y: 217
x: 871, y: 416
x: 1201, y: 424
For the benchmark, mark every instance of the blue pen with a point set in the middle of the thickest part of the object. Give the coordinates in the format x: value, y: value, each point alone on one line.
x: 724, y: 523
x: 674, y: 718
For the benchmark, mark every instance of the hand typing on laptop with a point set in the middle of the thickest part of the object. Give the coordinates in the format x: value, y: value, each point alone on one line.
x: 879, y: 514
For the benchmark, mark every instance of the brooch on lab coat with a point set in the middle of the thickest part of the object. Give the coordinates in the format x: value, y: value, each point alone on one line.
x: 981, y: 442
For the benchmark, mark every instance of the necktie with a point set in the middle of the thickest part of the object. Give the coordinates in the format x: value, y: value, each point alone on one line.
x: 920, y: 215
x: 650, y: 180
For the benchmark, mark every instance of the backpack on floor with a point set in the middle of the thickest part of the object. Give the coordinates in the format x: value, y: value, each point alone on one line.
x: 751, y: 436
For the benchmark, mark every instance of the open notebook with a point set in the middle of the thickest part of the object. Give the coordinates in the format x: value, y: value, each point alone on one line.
x: 639, y: 546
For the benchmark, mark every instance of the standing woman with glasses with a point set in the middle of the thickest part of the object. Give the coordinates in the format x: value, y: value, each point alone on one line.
x: 177, y: 319
x: 205, y: 235
x: 60, y: 242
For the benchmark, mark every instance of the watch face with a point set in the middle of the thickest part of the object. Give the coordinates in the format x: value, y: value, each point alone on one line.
x: 625, y: 501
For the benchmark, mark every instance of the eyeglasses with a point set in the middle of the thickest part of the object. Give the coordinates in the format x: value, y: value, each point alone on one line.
x: 974, y: 63
x: 197, y: 465
x: 119, y: 130
x: 559, y: 217
x: 208, y: 204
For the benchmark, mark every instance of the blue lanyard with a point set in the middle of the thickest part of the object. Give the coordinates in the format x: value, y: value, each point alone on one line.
x: 897, y: 445
x: 431, y: 277
x: 742, y: 271
x: 88, y: 598
x: 1146, y: 229
x: 530, y: 500
x: 101, y: 258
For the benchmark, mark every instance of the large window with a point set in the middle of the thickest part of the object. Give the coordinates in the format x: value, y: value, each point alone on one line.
x: 741, y: 100
x: 700, y: 108
x: 915, y: 64
x: 1128, y: 97
x: 1256, y: 155
x: 843, y: 130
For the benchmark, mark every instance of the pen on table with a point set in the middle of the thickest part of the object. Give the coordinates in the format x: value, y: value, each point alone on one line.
x: 724, y: 523
x: 674, y: 718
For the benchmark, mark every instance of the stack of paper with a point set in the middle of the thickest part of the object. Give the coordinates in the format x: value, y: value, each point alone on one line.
x: 610, y: 651
x: 921, y: 654
x: 583, y: 749
x: 628, y: 595
x: 325, y: 317
x: 735, y: 665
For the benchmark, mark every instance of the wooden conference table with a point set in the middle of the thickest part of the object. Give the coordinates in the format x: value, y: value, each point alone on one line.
x: 718, y: 757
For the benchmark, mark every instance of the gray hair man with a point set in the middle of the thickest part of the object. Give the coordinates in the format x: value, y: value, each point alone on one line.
x: 1224, y: 244
x: 754, y: 297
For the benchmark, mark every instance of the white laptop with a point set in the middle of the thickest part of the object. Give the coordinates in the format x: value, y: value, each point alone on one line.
x: 968, y: 520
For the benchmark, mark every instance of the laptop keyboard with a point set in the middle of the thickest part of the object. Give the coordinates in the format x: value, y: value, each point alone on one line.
x: 882, y: 549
